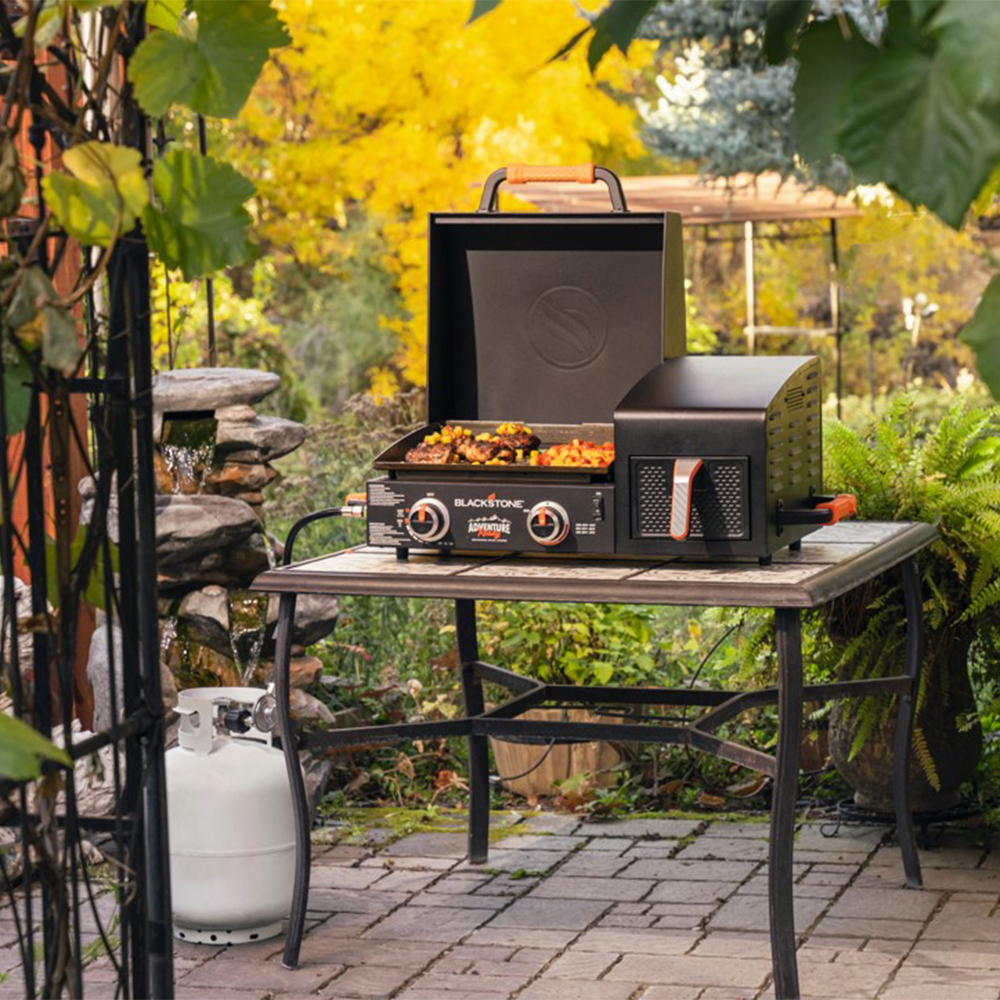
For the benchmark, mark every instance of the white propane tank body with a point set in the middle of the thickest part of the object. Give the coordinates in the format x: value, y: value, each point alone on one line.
x: 231, y: 827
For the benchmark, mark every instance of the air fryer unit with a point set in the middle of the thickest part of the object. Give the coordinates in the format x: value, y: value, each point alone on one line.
x: 711, y: 450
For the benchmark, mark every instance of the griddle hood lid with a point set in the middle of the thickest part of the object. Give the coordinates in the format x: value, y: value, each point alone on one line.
x: 547, y: 318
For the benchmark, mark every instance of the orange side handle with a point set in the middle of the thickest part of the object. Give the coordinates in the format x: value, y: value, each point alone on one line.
x: 841, y: 506
x: 521, y: 173
x: 354, y: 499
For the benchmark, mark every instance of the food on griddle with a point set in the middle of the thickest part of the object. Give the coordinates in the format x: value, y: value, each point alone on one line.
x: 432, y: 452
x: 454, y: 433
x: 517, y: 437
x: 480, y: 449
x: 583, y: 454
x: 510, y: 444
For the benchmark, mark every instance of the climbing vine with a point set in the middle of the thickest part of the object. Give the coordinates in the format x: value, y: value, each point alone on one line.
x: 71, y: 66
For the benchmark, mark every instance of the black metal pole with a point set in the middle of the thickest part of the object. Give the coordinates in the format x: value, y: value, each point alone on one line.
x: 903, y: 748
x: 479, y: 760
x: 289, y: 746
x: 118, y: 369
x: 158, y: 909
x: 213, y: 354
x: 781, y: 903
x: 835, y: 309
x: 41, y: 640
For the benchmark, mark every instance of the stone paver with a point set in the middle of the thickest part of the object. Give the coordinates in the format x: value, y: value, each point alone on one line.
x: 689, y: 871
x: 644, y: 909
x: 885, y: 904
x: 642, y: 828
x: 749, y: 913
x: 687, y: 970
x: 618, y: 890
x: 551, y: 914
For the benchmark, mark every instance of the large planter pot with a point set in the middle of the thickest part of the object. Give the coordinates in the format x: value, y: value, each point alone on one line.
x: 564, y: 760
x: 947, y: 706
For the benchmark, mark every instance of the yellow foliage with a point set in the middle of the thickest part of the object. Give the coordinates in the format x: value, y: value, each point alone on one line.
x: 399, y: 106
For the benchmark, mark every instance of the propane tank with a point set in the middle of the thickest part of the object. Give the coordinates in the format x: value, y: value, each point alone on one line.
x: 231, y: 825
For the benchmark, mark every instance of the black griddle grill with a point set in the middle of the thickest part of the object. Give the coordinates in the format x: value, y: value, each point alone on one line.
x: 574, y: 324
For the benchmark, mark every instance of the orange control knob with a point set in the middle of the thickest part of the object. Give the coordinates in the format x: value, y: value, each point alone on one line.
x: 548, y: 523
x: 429, y: 520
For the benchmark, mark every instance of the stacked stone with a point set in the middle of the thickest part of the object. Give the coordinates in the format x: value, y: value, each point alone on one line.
x: 211, y: 543
x: 246, y: 442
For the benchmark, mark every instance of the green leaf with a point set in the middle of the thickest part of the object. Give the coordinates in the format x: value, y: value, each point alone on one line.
x: 17, y: 380
x: 165, y: 14
x: 12, y: 182
x: 905, y: 122
x: 213, y: 71
x: 480, y: 7
x: 603, y: 672
x: 782, y: 23
x: 48, y: 24
x: 104, y: 195
x: 827, y: 64
x: 94, y: 591
x: 616, y: 25
x: 21, y: 747
x: 38, y: 321
x: 968, y: 34
x: 982, y: 334
x: 60, y: 342
x: 923, y: 10
x: 200, y: 222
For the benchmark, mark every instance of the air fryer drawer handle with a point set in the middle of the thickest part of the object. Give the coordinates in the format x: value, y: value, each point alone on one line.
x: 825, y: 510
x: 520, y: 173
x: 680, y: 498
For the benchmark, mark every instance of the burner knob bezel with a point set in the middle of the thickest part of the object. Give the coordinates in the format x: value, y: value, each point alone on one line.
x: 559, y: 514
x: 440, y: 518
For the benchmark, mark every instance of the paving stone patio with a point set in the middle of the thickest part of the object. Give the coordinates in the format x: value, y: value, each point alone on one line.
x: 628, y: 910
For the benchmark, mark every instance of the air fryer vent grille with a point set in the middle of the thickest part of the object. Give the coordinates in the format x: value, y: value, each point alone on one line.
x: 795, y: 398
x: 719, y: 508
x: 794, y: 439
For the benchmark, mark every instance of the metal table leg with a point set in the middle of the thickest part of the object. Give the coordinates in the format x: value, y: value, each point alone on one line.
x: 289, y: 745
x: 479, y: 760
x: 788, y: 630
x: 904, y: 725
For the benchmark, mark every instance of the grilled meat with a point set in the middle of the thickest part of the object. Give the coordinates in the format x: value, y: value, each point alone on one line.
x: 479, y: 449
x: 517, y: 437
x: 432, y: 453
x: 510, y: 444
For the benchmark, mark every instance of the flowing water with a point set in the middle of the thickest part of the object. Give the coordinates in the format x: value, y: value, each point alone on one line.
x: 247, y: 628
x: 168, y: 635
x: 187, y: 443
x: 188, y: 466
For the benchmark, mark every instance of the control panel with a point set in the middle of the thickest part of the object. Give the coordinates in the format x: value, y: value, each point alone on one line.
x: 507, y: 516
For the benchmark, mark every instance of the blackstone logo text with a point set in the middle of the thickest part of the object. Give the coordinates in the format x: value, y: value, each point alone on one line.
x: 491, y: 502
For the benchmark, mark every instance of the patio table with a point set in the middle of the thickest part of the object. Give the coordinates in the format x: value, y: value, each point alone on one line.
x: 828, y: 564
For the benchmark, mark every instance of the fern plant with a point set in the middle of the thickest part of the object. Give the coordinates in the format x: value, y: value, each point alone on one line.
x: 903, y: 466
x: 947, y: 473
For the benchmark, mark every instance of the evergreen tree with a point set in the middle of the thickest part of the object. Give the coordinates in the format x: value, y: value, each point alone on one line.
x: 726, y: 107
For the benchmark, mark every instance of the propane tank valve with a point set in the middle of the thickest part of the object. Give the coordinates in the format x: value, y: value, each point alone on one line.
x: 265, y: 712
x: 238, y: 720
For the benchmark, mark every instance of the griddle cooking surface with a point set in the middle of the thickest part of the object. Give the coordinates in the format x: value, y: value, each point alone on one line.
x: 393, y: 458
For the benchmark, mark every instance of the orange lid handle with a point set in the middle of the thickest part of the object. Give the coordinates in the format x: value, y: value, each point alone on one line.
x: 521, y: 173
x: 841, y: 506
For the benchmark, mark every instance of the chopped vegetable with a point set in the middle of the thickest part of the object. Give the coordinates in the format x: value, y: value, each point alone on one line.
x: 583, y: 454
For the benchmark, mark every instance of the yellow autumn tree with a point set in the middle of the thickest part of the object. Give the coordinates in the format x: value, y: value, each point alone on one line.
x: 402, y: 108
